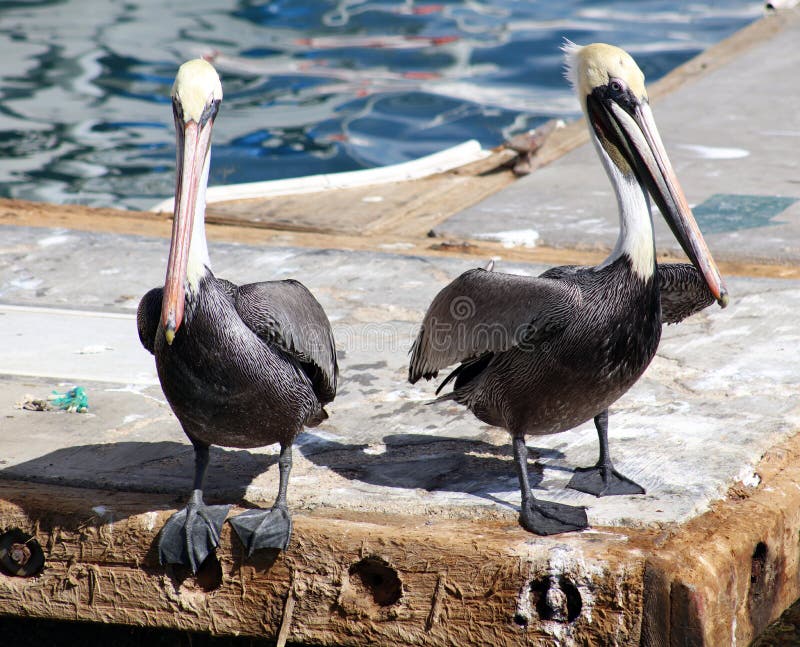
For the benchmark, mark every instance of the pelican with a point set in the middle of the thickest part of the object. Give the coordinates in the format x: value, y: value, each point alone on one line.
x: 543, y: 355
x: 241, y: 366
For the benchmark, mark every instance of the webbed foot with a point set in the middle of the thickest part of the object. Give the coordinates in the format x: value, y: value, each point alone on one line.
x: 264, y: 528
x: 191, y: 534
x: 602, y: 480
x: 549, y: 518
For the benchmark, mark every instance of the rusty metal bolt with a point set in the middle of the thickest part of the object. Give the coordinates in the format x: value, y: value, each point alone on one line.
x: 555, y: 600
x: 20, y: 554
x: 553, y: 597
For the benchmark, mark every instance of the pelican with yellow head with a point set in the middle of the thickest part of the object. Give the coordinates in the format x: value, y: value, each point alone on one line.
x: 241, y: 365
x: 566, y: 345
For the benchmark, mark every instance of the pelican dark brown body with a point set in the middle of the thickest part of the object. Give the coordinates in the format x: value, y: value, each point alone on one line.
x: 229, y: 374
x: 543, y: 355
x: 241, y: 366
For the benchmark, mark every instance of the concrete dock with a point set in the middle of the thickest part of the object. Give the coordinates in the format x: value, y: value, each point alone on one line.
x: 406, y: 513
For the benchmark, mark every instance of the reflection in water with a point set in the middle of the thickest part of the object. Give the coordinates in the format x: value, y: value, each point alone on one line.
x: 310, y: 86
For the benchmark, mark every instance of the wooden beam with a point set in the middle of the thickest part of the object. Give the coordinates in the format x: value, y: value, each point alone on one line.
x: 349, y: 579
x: 38, y: 214
x: 725, y: 575
x: 360, y: 579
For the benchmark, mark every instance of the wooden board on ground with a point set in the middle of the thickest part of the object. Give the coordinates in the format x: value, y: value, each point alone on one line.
x: 365, y: 210
x: 390, y: 490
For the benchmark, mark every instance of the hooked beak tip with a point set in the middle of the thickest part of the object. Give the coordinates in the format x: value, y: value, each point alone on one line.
x: 170, y: 327
x: 723, y: 299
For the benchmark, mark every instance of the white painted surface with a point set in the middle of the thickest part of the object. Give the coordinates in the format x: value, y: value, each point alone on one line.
x: 440, y: 162
x: 73, y: 345
x: 513, y: 238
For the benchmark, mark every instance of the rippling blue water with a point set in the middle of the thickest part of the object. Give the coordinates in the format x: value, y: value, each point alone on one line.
x: 310, y: 86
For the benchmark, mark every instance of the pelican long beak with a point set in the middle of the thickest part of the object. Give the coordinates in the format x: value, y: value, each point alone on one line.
x: 193, y: 142
x: 632, y: 130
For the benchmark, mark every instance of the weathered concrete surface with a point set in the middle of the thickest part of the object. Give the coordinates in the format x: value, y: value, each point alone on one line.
x: 732, y: 132
x: 720, y: 392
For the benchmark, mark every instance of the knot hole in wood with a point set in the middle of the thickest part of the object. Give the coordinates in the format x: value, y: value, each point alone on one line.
x: 759, y: 574
x: 20, y: 554
x: 553, y: 599
x: 372, y: 577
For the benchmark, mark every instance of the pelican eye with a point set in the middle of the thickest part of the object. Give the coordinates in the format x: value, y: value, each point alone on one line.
x: 177, y: 110
x: 617, y: 91
x: 210, y: 111
x: 616, y: 86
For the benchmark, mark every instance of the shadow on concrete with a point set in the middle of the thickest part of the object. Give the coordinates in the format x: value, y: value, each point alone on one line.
x: 158, y: 467
x: 432, y: 463
x: 411, y: 461
x: 118, y: 469
x: 38, y: 632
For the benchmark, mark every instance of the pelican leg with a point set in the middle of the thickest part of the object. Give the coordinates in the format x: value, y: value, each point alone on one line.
x: 602, y: 479
x: 191, y: 534
x: 268, y: 528
x: 543, y: 517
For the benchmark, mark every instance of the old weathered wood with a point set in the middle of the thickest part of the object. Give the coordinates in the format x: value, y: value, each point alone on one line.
x: 412, y: 241
x: 719, y: 579
x: 371, y: 209
x: 102, y: 567
x: 724, y: 576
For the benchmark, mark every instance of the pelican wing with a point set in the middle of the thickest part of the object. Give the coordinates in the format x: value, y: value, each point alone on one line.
x: 684, y: 291
x: 286, y: 314
x: 147, y: 316
x: 488, y: 312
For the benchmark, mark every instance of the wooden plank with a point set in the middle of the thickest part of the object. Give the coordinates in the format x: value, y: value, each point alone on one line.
x: 354, y: 211
x: 415, y: 169
x: 345, y: 211
x: 345, y: 467
x: 362, y: 580
x: 718, y: 579
x: 431, y: 207
x: 144, y: 223
x: 725, y: 575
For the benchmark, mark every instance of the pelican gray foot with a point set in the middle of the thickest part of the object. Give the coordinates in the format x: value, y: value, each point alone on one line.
x: 268, y: 528
x: 191, y: 534
x: 264, y: 528
x: 602, y: 479
x: 543, y: 517
x: 549, y: 518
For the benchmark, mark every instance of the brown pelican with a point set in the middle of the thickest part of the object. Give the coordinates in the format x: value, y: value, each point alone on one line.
x: 542, y: 355
x: 241, y: 366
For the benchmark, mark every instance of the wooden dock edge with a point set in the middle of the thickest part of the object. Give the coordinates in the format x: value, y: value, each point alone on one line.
x: 23, y: 213
x: 724, y: 576
x: 353, y: 579
x: 345, y: 581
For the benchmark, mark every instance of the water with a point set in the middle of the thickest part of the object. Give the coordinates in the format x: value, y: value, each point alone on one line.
x: 310, y: 86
